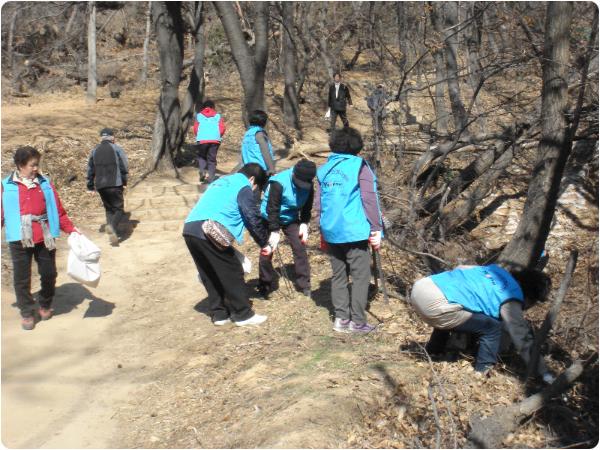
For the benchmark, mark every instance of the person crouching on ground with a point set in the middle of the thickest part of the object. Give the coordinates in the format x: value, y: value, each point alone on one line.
x: 107, y: 173
x: 287, y: 205
x: 256, y: 145
x: 34, y: 216
x: 347, y: 208
x: 219, y: 217
x: 209, y: 129
x: 480, y: 300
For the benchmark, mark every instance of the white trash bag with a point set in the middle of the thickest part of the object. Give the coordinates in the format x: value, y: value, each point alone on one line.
x: 83, y: 263
x: 243, y: 259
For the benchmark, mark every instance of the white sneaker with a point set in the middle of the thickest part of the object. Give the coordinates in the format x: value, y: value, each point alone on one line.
x: 256, y: 319
x: 220, y: 323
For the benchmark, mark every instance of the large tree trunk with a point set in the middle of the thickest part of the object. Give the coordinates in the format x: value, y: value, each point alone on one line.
x: 251, y: 63
x: 441, y: 110
x: 195, y: 90
x: 144, y: 76
x: 91, y: 79
x: 168, y: 24
x: 291, y: 109
x: 529, y: 239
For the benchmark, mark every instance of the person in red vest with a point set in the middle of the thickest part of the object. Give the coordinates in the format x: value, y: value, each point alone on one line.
x: 209, y: 129
x: 33, y: 216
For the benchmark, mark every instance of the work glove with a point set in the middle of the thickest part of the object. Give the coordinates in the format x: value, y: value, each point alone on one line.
x: 328, y: 113
x: 303, y: 233
x: 274, y: 240
x: 323, y: 245
x: 548, y: 378
x: 266, y: 250
x: 375, y: 240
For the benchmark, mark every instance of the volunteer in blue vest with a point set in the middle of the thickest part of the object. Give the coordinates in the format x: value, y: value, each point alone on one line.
x: 220, y: 216
x: 256, y: 145
x: 480, y: 300
x: 287, y: 205
x: 33, y: 216
x: 209, y: 129
x: 347, y: 207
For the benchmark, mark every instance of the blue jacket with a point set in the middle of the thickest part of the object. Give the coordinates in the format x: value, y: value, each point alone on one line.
x: 292, y: 199
x: 12, y: 210
x: 479, y: 289
x: 343, y: 218
x: 251, y: 150
x: 219, y: 203
x: 208, y: 128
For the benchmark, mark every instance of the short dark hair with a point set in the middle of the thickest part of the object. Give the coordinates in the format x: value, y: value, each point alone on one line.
x: 208, y: 104
x: 254, y: 170
x: 535, y: 285
x: 346, y: 140
x: 25, y: 154
x: 258, y: 118
x: 338, y: 74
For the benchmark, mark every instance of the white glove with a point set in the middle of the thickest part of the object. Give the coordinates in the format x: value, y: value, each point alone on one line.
x: 548, y: 378
x: 303, y: 233
x: 375, y: 240
x: 274, y: 240
x: 328, y: 113
x: 246, y: 263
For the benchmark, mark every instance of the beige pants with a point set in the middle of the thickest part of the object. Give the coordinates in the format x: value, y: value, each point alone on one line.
x: 435, y: 310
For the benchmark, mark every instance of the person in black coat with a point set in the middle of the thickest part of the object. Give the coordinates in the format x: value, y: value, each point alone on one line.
x: 339, y: 97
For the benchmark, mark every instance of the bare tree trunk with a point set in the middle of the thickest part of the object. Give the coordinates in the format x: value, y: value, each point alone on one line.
x: 291, y: 108
x: 529, y: 239
x: 195, y: 90
x: 441, y: 110
x: 71, y: 19
x: 168, y: 24
x: 251, y: 64
x: 144, y: 76
x: 11, y: 37
x: 91, y: 80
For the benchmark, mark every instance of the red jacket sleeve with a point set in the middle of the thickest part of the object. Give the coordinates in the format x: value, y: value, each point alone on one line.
x: 222, y: 127
x: 65, y: 223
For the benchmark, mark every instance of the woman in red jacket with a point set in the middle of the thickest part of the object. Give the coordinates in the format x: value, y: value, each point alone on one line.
x: 33, y: 216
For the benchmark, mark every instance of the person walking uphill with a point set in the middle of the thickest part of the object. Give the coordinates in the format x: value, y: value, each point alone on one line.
x: 287, y: 205
x: 337, y: 101
x: 256, y: 145
x: 107, y: 174
x: 34, y: 216
x: 347, y: 208
x: 481, y: 300
x: 219, y: 217
x: 209, y: 129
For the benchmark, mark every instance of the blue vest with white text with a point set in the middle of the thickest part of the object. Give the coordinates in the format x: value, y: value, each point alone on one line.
x: 208, y: 128
x: 480, y: 289
x: 292, y: 197
x: 251, y: 150
x: 219, y: 203
x: 343, y: 217
x: 12, y: 210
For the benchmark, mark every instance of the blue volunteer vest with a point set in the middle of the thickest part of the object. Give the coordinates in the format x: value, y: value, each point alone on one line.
x: 251, y: 150
x: 480, y: 289
x: 343, y: 218
x: 208, y: 128
x: 12, y: 211
x: 292, y: 198
x: 219, y: 203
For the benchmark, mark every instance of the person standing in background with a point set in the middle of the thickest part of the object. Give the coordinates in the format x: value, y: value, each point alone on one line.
x: 338, y: 99
x: 209, y: 129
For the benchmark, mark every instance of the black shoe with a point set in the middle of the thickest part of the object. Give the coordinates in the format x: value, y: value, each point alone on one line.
x: 264, y: 291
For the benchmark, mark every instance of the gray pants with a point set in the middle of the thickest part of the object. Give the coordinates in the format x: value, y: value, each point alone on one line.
x: 432, y: 306
x: 350, y: 259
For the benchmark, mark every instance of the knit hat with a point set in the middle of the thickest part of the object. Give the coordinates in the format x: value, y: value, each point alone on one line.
x: 106, y: 133
x: 303, y: 173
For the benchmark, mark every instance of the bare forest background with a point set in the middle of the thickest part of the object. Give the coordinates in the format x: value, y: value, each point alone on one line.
x: 485, y: 145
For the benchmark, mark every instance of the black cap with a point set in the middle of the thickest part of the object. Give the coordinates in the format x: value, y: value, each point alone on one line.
x: 105, y: 132
x: 303, y: 174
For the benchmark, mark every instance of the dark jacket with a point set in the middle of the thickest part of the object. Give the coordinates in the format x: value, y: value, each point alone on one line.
x: 274, y: 206
x: 107, y: 167
x: 339, y: 103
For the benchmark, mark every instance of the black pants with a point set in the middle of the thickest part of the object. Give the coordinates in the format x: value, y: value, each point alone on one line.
x: 301, y: 266
x: 223, y: 277
x: 342, y: 115
x: 207, y: 156
x: 46, y: 262
x: 112, y: 199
